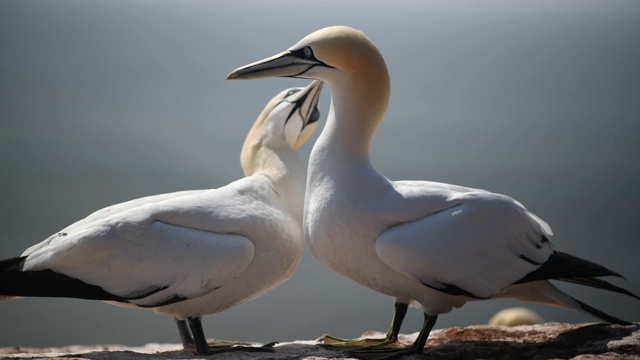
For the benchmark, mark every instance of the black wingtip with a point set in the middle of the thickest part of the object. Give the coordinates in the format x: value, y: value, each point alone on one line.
x: 47, y: 283
x: 12, y: 263
x: 564, y: 266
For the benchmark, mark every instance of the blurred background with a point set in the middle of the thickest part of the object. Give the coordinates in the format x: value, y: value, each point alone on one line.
x: 106, y: 101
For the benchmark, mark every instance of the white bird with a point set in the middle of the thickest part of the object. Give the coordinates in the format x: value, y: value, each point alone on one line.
x: 188, y: 253
x: 431, y: 244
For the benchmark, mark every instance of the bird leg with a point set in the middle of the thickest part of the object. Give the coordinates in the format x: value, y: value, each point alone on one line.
x: 198, y: 336
x: 185, y: 334
x: 389, y: 341
x: 203, y: 348
x: 417, y: 347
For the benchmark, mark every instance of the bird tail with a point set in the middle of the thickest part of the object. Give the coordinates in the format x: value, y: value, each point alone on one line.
x: 12, y: 264
x: 599, y: 314
x: 544, y: 292
x: 45, y: 283
x: 568, y: 268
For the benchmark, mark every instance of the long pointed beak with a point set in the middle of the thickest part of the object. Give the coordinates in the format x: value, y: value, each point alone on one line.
x: 284, y: 64
x: 307, y: 102
x: 309, y: 98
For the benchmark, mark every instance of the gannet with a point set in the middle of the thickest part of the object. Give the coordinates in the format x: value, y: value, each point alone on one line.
x: 188, y: 253
x: 424, y: 243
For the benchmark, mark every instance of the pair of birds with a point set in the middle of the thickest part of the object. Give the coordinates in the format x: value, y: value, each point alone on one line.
x: 193, y: 253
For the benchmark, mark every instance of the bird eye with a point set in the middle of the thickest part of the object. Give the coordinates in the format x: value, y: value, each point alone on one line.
x: 307, y: 52
x: 315, y: 115
x: 291, y: 92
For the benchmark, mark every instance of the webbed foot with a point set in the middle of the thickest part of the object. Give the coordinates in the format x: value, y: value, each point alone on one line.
x: 331, y: 342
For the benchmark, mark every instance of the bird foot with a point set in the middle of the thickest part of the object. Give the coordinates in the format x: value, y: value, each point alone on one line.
x: 222, y: 346
x: 217, y: 343
x: 373, y: 353
x: 331, y: 342
x: 269, y: 348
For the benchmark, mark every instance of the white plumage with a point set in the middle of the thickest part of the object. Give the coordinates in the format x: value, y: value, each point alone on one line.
x: 431, y: 244
x: 189, y: 253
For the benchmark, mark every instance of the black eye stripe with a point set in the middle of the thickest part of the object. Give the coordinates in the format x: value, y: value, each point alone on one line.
x: 305, y: 53
x: 297, y: 105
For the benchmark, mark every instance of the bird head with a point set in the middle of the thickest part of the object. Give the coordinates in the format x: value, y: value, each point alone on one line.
x: 323, y: 54
x: 295, y: 112
x: 288, y: 120
x: 345, y: 59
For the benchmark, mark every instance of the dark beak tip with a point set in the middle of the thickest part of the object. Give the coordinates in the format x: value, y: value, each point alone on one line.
x: 232, y: 76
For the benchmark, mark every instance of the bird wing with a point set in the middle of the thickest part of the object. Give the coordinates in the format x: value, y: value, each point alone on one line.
x: 158, y: 252
x: 480, y: 244
x: 110, y: 211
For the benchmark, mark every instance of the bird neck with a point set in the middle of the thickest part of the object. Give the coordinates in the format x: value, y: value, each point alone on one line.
x: 358, y: 104
x: 279, y: 163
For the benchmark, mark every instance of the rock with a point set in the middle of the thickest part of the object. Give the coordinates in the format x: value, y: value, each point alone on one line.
x: 534, y: 342
x: 516, y: 316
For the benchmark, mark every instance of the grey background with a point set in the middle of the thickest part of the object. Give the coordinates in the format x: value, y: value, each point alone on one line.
x: 105, y: 101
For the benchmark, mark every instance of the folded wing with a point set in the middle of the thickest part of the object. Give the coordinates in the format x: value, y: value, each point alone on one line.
x: 475, y: 248
x: 144, y: 263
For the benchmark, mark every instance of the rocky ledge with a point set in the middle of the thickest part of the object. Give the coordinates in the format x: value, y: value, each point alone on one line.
x: 535, y: 342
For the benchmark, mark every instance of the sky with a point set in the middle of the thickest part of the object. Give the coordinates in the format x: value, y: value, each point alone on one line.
x: 106, y: 101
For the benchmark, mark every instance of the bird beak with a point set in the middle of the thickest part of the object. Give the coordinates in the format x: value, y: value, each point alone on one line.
x: 285, y: 64
x: 309, y: 96
x: 307, y: 101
